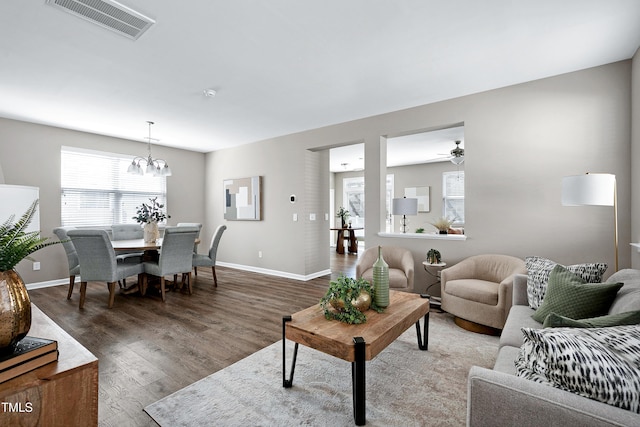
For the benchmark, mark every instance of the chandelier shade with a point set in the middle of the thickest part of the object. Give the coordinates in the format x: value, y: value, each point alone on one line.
x: 156, y: 167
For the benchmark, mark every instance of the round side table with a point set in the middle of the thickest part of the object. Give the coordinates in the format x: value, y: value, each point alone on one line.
x: 434, y: 270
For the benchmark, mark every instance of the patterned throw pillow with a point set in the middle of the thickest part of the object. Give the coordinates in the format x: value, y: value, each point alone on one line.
x: 538, y: 270
x: 554, y: 320
x: 568, y: 295
x: 598, y: 363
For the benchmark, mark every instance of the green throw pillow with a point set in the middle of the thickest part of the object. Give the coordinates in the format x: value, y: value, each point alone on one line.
x: 554, y: 320
x: 570, y: 296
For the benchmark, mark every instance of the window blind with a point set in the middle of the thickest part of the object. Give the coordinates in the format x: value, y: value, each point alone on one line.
x: 97, y: 191
x: 453, y: 196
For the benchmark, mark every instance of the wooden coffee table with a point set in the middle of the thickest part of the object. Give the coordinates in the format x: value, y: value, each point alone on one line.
x: 355, y: 343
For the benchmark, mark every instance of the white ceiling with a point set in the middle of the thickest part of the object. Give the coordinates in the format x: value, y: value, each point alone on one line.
x: 283, y: 66
x: 424, y: 147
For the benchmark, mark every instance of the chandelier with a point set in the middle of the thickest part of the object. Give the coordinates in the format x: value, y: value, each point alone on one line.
x: 157, y: 167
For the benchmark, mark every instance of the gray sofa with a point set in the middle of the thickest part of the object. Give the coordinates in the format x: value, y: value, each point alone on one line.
x: 500, y: 398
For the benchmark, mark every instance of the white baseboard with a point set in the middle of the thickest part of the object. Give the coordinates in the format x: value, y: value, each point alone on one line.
x: 48, y: 284
x: 269, y: 272
x: 58, y: 282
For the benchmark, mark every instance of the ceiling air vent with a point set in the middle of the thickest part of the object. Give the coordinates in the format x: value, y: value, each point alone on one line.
x: 108, y: 14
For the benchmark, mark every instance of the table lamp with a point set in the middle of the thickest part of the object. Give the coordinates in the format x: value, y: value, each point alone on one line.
x: 404, y: 206
x: 593, y: 189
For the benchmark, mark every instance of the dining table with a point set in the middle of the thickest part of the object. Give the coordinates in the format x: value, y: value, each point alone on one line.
x: 149, y: 250
x: 136, y: 245
x: 139, y: 245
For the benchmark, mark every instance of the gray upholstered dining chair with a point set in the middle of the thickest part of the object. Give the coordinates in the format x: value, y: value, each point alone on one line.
x: 209, y: 260
x: 175, y: 258
x: 127, y: 232
x: 192, y: 224
x: 72, y: 255
x: 98, y: 262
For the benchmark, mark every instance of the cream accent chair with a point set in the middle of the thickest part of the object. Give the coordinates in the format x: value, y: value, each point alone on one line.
x: 479, y: 289
x: 401, y: 266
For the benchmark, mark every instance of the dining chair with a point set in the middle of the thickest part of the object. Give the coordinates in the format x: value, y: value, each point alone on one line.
x: 209, y: 260
x: 175, y: 258
x: 72, y: 255
x: 127, y: 232
x: 98, y: 262
x: 192, y: 224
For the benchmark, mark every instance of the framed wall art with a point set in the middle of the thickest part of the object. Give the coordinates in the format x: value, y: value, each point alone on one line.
x: 420, y: 193
x: 242, y: 199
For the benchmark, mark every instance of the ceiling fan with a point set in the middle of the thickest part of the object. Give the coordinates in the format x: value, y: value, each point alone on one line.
x: 456, y: 155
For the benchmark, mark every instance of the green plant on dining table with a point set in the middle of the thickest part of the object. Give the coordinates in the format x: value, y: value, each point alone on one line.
x: 152, y: 212
x: 349, y: 298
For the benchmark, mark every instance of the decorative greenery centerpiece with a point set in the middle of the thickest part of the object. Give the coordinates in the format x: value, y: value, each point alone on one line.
x: 443, y: 224
x: 433, y: 256
x: 349, y: 299
x: 150, y: 215
x: 16, y: 244
x: 343, y: 214
x: 152, y: 212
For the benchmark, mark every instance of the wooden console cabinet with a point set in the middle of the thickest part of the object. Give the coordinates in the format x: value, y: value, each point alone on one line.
x: 62, y: 393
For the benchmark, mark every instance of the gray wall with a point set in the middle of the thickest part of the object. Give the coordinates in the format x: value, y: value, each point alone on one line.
x: 419, y: 175
x: 635, y: 158
x: 425, y: 175
x: 30, y: 155
x: 519, y: 143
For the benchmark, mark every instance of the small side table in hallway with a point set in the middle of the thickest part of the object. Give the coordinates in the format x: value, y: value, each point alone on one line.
x: 353, y: 242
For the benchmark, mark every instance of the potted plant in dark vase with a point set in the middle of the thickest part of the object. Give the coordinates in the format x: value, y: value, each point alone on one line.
x: 343, y: 214
x: 443, y: 224
x: 433, y: 256
x: 150, y: 215
x: 16, y: 244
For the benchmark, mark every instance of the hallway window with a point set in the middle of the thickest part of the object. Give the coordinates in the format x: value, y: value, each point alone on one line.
x: 453, y: 196
x: 353, y: 196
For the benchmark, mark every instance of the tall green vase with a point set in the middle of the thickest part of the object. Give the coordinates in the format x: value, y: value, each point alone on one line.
x: 381, y: 280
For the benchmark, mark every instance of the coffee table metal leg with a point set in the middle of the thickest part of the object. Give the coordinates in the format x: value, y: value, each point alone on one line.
x: 359, y: 383
x: 423, y: 344
x: 287, y: 383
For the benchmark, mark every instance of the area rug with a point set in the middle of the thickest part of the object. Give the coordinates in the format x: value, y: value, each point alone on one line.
x: 405, y: 386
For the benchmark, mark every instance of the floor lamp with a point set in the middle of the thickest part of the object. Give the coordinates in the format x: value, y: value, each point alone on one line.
x: 593, y: 189
x: 404, y: 206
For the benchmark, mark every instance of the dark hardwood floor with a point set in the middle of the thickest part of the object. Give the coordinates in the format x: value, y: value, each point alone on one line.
x: 148, y: 349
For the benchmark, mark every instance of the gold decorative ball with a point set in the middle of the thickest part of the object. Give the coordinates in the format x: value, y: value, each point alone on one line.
x: 361, y: 303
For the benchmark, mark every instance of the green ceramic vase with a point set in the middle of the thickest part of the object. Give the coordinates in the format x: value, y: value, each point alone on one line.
x: 381, y: 280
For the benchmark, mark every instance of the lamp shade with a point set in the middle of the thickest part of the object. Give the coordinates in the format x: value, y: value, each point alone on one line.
x: 404, y: 206
x: 591, y: 189
x: 457, y: 160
